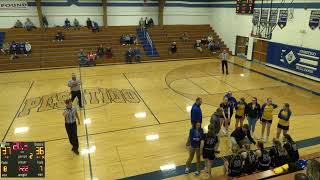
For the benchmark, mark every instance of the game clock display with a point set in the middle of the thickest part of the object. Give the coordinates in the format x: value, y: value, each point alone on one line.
x: 245, y: 6
x: 22, y: 159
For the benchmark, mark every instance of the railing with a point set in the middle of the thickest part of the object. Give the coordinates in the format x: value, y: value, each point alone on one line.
x: 149, y: 41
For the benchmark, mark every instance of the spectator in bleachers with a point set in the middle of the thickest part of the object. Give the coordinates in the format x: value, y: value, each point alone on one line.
x: 127, y: 39
x: 59, y: 36
x: 100, y: 52
x: 83, y: 59
x: 211, y: 46
x: 45, y: 22
x: 150, y: 22
x: 146, y: 22
x: 210, y: 38
x: 313, y: 169
x: 67, y: 24
x: 129, y: 55
x: 109, y: 52
x: 122, y: 40
x: 291, y: 148
x: 198, y: 46
x: 18, y: 24
x: 216, y: 45
x: 173, y: 48
x: 263, y: 156
x: 141, y: 23
x: 5, y: 48
x: 29, y: 25
x: 89, y: 23
x: 91, y: 57
x: 13, y: 50
x: 233, y: 165
x: 95, y: 27
x: 27, y: 49
x: 185, y: 37
x: 21, y: 47
x: 76, y: 24
x: 132, y: 39
x: 204, y: 40
x: 137, y: 55
x: 277, y: 154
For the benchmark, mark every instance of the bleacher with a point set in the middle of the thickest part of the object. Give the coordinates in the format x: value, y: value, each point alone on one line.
x: 46, y: 53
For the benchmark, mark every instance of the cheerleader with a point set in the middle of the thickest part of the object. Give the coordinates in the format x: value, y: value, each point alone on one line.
x: 240, y: 112
x: 210, y: 147
x: 283, y: 124
x: 266, y: 118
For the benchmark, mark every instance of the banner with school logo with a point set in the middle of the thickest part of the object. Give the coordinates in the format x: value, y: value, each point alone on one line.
x: 283, y: 18
x: 273, y: 17
x: 256, y: 16
x: 297, y: 60
x: 264, y: 17
x: 314, y: 19
x: 13, y: 4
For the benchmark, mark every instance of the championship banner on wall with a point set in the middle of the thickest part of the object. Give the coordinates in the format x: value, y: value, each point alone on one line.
x: 297, y: 60
x: 314, y: 19
x: 283, y: 18
x: 13, y: 4
x: 264, y: 17
x: 273, y: 18
x: 256, y: 16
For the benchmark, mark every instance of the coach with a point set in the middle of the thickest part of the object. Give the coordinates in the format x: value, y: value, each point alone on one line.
x: 196, y: 114
x: 74, y: 85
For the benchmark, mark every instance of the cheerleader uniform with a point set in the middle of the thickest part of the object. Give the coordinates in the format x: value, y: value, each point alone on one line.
x: 284, y: 117
x: 240, y: 109
x: 267, y: 113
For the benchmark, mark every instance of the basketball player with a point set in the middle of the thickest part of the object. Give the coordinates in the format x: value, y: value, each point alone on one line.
x: 74, y: 85
x: 70, y: 115
x: 284, y: 116
x: 224, y: 61
x: 266, y: 118
x: 263, y: 156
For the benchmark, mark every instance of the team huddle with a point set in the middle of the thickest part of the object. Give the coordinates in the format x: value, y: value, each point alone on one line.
x: 243, y: 159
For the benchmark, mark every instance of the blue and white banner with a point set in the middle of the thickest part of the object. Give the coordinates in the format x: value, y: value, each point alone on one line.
x: 314, y: 19
x: 256, y: 16
x: 264, y: 17
x: 283, y: 18
x: 297, y: 60
x: 13, y: 4
x: 273, y: 17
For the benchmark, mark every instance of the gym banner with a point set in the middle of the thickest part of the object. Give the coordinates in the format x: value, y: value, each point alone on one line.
x: 273, y: 18
x: 256, y: 16
x: 302, y: 61
x: 13, y: 4
x: 283, y: 18
x: 264, y: 17
x: 314, y: 19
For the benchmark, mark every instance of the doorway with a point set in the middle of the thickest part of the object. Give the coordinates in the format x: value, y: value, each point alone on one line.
x: 242, y: 46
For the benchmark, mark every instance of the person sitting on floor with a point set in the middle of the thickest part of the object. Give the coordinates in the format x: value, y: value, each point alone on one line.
x: 109, y: 52
x: 59, y: 36
x: 89, y: 23
x: 263, y: 156
x: 67, y: 24
x: 91, y: 57
x: 233, y: 165
x: 137, y: 54
x: 150, y: 22
x: 129, y: 55
x: 13, y: 50
x: 100, y: 51
x: 173, y: 48
x: 291, y: 148
x: 250, y: 161
x: 95, y: 27
x: 5, y: 48
x: 29, y: 25
x: 18, y: 24
x: 83, y: 59
x: 76, y: 24
x: 198, y: 46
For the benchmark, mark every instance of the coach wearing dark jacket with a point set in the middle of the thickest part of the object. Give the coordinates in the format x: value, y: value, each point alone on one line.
x: 252, y: 112
x: 239, y: 134
x: 196, y: 114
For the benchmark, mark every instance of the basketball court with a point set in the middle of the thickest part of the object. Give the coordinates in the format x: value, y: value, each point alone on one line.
x: 136, y: 117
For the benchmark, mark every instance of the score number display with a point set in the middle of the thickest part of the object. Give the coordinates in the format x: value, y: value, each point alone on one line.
x: 22, y: 159
x: 245, y: 6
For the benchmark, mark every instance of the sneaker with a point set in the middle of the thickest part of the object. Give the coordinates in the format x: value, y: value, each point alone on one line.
x: 186, y: 170
x: 197, y: 173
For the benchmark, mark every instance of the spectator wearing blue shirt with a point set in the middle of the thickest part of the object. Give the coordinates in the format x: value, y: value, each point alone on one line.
x: 67, y: 24
x: 95, y: 27
x: 13, y: 50
x: 231, y: 99
x: 196, y: 115
x: 129, y: 56
x: 195, y: 137
x: 137, y: 54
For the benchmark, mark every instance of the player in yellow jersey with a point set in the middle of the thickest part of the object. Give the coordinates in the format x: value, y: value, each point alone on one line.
x: 266, y: 117
x: 284, y: 116
x: 240, y: 112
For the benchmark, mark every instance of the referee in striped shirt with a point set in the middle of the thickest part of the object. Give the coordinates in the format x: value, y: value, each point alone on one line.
x: 70, y: 115
x: 224, y: 61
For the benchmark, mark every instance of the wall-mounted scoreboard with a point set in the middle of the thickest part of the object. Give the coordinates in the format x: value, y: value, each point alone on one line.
x: 22, y: 159
x: 245, y: 6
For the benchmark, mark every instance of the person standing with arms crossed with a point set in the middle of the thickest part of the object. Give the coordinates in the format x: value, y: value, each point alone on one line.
x: 196, y: 115
x: 70, y: 115
x: 224, y: 61
x: 252, y: 112
x: 74, y: 85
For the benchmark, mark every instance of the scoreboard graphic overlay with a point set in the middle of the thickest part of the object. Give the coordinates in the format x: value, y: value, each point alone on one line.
x: 22, y: 159
x: 245, y: 6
